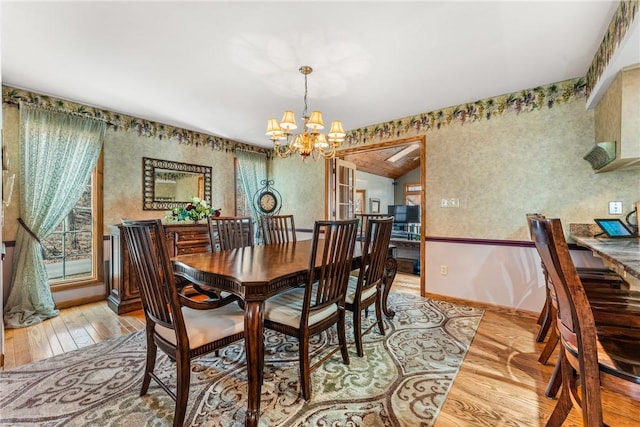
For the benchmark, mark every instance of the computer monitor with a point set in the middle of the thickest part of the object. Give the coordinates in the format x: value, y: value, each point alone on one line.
x: 404, y: 214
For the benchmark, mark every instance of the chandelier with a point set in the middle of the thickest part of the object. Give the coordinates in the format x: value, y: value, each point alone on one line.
x: 311, y: 142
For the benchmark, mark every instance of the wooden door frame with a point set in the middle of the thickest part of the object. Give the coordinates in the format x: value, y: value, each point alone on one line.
x: 421, y: 139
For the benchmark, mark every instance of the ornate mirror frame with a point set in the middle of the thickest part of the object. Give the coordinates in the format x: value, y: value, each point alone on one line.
x: 149, y: 166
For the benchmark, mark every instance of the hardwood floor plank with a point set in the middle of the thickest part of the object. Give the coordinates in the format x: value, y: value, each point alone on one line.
x: 64, y: 336
x: 38, y: 342
x: 54, y: 341
x: 77, y: 326
x: 21, y: 347
x: 132, y: 324
x: 129, y: 322
x: 9, y: 352
x: 106, y: 326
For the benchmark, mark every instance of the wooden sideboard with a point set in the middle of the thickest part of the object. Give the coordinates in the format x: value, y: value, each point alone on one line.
x: 124, y: 295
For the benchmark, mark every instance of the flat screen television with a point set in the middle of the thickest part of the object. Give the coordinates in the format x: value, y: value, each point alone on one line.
x: 404, y: 214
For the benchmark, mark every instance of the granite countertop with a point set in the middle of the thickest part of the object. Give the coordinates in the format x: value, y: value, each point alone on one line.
x: 584, y: 230
x: 624, y: 253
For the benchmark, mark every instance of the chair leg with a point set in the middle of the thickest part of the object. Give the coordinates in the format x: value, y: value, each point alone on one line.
x: 544, y: 320
x: 182, y: 393
x: 305, y: 370
x: 342, y: 336
x: 551, y: 344
x: 555, y: 381
x: 564, y: 405
x: 150, y: 363
x: 357, y: 331
x: 379, y: 314
x: 542, y: 314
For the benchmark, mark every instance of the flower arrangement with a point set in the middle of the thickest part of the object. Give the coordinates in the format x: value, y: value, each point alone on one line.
x: 195, y: 210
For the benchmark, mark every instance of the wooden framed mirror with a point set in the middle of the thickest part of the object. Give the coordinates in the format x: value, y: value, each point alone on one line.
x: 167, y: 184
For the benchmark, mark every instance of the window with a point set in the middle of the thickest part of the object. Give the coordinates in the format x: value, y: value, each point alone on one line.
x: 412, y: 194
x: 73, y: 252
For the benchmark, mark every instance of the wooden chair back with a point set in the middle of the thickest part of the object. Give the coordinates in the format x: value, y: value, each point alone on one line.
x: 375, y: 247
x: 158, y: 291
x: 230, y: 232
x: 278, y: 229
x: 551, y: 248
x: 363, y: 220
x: 329, y: 265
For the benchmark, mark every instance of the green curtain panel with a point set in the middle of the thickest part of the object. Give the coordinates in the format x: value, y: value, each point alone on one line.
x: 253, y: 170
x: 58, y: 152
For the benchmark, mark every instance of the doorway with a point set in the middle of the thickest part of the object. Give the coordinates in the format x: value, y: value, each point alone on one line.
x: 397, y: 146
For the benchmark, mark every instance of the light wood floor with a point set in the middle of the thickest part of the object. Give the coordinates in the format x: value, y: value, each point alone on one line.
x: 500, y: 383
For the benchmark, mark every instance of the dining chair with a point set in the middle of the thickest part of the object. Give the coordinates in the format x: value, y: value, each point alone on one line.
x: 366, y: 289
x: 610, y: 300
x: 181, y: 327
x: 306, y: 311
x: 593, y: 277
x: 592, y: 355
x: 278, y: 229
x: 230, y: 232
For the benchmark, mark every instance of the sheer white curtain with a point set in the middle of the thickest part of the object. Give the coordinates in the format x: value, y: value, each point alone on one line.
x: 252, y: 168
x: 58, y: 152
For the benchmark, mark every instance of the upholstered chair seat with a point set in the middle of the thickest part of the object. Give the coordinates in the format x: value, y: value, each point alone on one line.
x: 205, y: 326
x: 351, y: 291
x: 286, y: 308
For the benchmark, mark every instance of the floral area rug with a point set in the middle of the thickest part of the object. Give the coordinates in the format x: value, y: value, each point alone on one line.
x: 402, y: 380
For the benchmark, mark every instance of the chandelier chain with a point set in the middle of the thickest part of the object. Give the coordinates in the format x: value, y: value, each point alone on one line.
x: 304, y: 113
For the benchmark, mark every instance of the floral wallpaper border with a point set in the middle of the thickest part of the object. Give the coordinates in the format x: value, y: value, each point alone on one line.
x: 118, y: 122
x: 622, y: 19
x: 518, y: 102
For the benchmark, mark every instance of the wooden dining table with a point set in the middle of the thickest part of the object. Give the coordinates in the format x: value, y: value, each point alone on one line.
x: 255, y: 274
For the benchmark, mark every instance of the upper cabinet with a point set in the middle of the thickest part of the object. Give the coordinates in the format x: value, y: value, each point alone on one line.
x: 617, y: 128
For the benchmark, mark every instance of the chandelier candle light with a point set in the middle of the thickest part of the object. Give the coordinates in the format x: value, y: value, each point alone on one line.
x: 311, y: 142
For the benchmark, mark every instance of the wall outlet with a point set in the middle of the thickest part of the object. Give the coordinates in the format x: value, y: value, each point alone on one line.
x: 615, y: 208
x: 444, y: 203
x: 443, y: 270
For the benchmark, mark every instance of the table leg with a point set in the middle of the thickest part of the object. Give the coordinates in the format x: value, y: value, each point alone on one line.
x: 390, y: 269
x: 253, y: 326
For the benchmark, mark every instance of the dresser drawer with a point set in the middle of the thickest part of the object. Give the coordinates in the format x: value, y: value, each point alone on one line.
x: 185, y: 236
x: 192, y: 248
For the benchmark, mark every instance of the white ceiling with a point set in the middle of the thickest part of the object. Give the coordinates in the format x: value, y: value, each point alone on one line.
x: 224, y: 68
